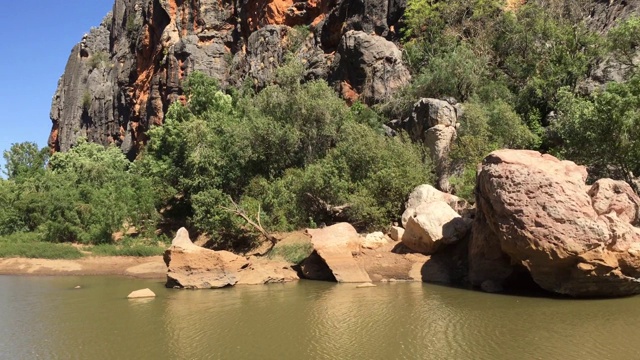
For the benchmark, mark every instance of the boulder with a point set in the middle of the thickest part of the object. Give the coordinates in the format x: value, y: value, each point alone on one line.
x: 432, y: 225
x: 314, y: 268
x: 140, y: 294
x: 368, y: 68
x: 335, y: 245
x: 425, y: 194
x: 396, y: 233
x: 615, y: 196
x: 193, y: 267
x: 535, y: 215
x: 434, y: 122
x: 374, y: 240
x: 385, y: 263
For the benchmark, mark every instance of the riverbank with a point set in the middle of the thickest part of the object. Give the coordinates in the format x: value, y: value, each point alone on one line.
x: 152, y: 267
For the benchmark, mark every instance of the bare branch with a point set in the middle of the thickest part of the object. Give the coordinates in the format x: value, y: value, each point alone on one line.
x: 236, y: 210
x: 332, y: 210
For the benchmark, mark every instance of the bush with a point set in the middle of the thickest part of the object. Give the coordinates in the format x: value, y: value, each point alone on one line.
x: 279, y: 155
x: 624, y: 42
x: 368, y: 174
x: 292, y: 253
x: 25, y: 160
x: 86, y: 101
x: 98, y: 59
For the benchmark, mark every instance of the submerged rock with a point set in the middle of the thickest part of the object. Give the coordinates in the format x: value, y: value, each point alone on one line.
x: 535, y: 215
x: 365, y: 285
x: 140, y: 294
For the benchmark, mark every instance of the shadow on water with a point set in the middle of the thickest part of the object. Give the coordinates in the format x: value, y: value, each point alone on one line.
x: 521, y: 285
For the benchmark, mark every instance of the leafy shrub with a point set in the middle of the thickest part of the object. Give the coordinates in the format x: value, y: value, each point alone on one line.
x: 98, y: 59
x: 292, y: 253
x: 278, y: 154
x: 86, y: 100
x: 87, y: 194
x: 367, y: 175
x: 25, y: 160
x: 624, y: 42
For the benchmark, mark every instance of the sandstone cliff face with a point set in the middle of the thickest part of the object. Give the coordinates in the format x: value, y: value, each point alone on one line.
x: 125, y: 73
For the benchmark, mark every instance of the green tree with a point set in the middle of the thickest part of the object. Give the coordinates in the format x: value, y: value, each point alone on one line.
x: 624, y: 43
x: 90, y: 193
x: 540, y: 53
x: 371, y: 174
x: 486, y: 127
x: 25, y: 159
x: 603, y: 130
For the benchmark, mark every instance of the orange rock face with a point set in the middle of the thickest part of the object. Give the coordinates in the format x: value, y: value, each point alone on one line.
x: 284, y: 12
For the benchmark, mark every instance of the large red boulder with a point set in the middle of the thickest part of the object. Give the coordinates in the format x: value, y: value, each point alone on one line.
x: 535, y: 214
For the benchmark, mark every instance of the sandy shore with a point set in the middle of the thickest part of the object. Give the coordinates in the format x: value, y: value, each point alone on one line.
x: 146, y: 267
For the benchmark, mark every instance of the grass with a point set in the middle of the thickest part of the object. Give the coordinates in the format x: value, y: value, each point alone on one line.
x: 98, y: 59
x: 293, y: 253
x: 133, y: 250
x: 29, y: 245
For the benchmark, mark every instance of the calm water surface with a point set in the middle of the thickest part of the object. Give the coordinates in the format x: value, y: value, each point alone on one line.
x: 45, y: 318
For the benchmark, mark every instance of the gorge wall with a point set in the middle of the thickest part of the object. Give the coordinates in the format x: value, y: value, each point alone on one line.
x: 123, y: 75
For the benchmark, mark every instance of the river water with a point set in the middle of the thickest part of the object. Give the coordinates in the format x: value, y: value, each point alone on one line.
x: 46, y: 318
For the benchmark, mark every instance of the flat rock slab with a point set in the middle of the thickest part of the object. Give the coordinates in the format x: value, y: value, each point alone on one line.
x: 192, y: 267
x: 335, y: 244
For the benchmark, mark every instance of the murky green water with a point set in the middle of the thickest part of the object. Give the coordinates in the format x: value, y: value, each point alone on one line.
x: 45, y: 318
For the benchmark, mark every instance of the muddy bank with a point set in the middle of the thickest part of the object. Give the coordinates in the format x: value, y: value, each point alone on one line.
x: 146, y: 267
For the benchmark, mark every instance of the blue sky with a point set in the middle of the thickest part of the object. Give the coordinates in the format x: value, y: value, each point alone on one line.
x: 37, y: 39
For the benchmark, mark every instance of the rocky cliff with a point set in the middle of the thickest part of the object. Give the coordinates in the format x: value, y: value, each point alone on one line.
x: 122, y: 76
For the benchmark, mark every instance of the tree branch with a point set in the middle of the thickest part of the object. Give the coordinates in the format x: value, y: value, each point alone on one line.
x: 332, y: 210
x: 237, y: 210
